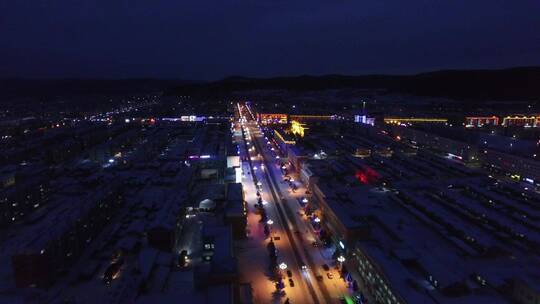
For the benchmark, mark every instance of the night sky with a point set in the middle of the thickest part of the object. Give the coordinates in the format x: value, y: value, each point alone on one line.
x: 202, y: 39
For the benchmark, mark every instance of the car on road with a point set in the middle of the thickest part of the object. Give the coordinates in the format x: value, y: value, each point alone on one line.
x: 325, y: 267
x: 329, y: 275
x: 183, y: 259
x: 289, y: 273
x: 303, y: 266
x: 112, y: 272
x: 291, y: 282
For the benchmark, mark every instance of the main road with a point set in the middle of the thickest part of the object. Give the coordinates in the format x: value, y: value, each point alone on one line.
x: 296, y: 233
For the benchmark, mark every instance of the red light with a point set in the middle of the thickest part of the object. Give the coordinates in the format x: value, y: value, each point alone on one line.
x: 367, y: 175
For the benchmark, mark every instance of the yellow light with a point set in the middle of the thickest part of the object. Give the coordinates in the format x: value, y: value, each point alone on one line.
x: 395, y: 120
x: 297, y: 128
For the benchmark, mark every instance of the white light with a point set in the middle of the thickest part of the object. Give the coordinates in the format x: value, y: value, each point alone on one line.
x: 264, y: 202
x: 277, y: 156
x: 204, y: 156
x: 282, y: 266
x: 341, y: 245
x: 341, y: 259
x: 255, y: 168
x: 270, y: 222
x: 111, y: 160
x: 259, y: 184
x: 127, y: 120
x: 304, y: 200
x: 317, y: 220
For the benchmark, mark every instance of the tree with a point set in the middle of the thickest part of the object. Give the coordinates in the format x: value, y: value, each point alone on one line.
x: 271, y: 247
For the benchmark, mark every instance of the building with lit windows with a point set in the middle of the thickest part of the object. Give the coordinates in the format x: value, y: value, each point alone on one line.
x: 523, y: 168
x: 459, y: 150
x: 410, y: 248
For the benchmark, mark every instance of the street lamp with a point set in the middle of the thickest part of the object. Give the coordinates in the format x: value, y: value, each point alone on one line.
x: 270, y: 223
x: 341, y: 259
x: 282, y: 266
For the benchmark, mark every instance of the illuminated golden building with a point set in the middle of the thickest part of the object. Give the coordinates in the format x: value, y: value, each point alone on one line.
x: 297, y: 128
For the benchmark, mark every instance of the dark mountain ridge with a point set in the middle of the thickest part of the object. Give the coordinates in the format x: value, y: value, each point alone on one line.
x: 521, y: 83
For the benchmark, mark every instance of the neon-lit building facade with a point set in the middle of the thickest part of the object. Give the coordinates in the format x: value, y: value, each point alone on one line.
x: 272, y: 118
x: 412, y: 120
x: 521, y: 121
x: 480, y: 121
x: 299, y: 117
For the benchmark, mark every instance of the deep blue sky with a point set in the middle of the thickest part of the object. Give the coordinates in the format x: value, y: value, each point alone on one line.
x: 210, y: 39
